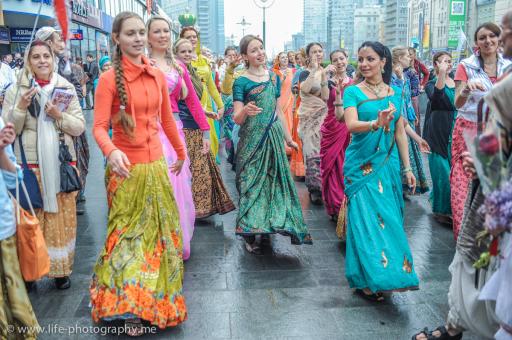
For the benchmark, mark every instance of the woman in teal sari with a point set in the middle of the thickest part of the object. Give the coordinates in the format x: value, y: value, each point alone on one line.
x: 268, y: 199
x: 378, y: 258
x: 439, y: 122
x: 417, y: 145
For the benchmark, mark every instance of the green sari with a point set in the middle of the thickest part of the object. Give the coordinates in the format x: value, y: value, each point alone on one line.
x: 377, y: 253
x: 268, y: 198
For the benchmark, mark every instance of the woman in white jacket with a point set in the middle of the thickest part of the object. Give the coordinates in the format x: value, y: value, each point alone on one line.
x: 38, y: 121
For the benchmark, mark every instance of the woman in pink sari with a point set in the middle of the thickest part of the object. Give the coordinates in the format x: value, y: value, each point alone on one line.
x: 335, y: 139
x: 180, y: 87
x: 285, y: 101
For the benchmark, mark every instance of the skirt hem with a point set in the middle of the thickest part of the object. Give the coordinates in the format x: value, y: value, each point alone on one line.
x: 295, y: 240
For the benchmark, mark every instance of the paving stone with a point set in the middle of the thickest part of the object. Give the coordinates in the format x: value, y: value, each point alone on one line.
x: 291, y: 292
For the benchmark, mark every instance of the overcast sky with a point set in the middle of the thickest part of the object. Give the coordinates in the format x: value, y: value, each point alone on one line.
x: 284, y: 18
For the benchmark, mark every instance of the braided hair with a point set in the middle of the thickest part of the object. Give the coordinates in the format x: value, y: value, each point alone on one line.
x: 122, y: 116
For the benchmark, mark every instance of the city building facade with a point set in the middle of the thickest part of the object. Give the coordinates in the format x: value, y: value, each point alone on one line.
x: 314, y: 25
x: 419, y: 26
x: 340, y: 25
x: 367, y: 25
x: 210, y: 20
x: 440, y: 24
x: 298, y: 41
x: 91, y: 23
x: 396, y: 19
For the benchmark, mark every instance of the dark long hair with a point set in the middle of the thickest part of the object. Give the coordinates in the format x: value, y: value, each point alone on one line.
x: 384, y: 53
x: 491, y: 27
x: 339, y: 50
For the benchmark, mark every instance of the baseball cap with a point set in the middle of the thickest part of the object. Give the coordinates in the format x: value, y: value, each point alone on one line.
x: 45, y: 33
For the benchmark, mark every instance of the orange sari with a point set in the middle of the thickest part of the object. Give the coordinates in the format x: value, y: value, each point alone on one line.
x: 285, y: 101
x: 297, y: 158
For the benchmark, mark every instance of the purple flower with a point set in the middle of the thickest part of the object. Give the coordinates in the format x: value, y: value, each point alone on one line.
x: 497, y: 209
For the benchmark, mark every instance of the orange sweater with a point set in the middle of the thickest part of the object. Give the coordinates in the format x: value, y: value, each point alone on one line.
x: 148, y: 103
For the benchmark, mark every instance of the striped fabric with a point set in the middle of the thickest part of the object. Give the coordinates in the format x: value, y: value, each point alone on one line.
x: 476, y: 73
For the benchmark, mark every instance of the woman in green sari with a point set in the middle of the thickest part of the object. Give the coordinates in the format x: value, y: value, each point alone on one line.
x: 378, y: 258
x: 268, y: 199
x: 439, y: 122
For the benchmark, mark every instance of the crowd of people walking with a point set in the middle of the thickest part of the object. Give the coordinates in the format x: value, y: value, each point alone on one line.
x: 165, y: 113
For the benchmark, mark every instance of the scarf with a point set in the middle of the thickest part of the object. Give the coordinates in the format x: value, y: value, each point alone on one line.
x: 196, y: 80
x: 48, y: 150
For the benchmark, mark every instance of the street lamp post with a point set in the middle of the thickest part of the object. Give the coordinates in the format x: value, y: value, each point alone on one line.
x: 264, y: 4
x: 243, y: 23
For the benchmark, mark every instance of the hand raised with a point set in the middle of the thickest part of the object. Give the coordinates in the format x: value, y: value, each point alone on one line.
x: 7, y: 135
x: 26, y: 99
x: 251, y: 109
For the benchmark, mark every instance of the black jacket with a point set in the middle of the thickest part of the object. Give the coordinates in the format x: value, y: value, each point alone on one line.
x: 70, y: 77
x: 92, y: 71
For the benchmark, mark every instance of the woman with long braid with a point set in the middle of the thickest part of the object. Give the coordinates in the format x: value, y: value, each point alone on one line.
x: 139, y: 273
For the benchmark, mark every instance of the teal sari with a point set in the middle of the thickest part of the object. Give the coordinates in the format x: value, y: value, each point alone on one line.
x: 377, y: 252
x: 268, y: 198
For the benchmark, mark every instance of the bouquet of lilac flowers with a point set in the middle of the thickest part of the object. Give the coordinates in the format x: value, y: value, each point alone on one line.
x: 497, y: 209
x: 494, y: 173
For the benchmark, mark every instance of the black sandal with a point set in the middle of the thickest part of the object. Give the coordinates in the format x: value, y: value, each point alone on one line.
x: 441, y: 329
x: 134, y: 327
x: 374, y: 297
x: 316, y: 198
x: 253, y: 245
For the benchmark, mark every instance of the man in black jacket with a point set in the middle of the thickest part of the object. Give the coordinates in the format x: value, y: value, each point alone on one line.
x: 92, y: 71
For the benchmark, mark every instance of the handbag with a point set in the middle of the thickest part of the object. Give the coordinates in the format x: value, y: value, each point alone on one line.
x: 32, y: 251
x: 69, y: 179
x: 33, y: 192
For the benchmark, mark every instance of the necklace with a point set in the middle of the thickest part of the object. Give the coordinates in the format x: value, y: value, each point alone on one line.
x: 257, y: 75
x: 373, y: 88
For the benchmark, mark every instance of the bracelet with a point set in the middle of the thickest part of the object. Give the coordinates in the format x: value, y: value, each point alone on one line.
x: 323, y: 83
x: 338, y: 105
x: 406, y: 170
x: 373, y: 127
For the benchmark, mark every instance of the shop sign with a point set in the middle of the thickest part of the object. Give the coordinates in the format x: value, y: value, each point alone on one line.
x: 4, y: 36
x: 77, y: 35
x: 457, y: 19
x: 21, y: 34
x: 46, y: 2
x: 85, y: 13
x: 79, y: 8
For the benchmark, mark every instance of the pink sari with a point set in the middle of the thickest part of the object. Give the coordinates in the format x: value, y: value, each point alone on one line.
x: 181, y: 184
x: 333, y: 143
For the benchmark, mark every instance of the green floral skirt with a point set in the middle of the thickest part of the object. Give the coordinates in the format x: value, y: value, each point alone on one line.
x: 15, y: 308
x: 139, y: 273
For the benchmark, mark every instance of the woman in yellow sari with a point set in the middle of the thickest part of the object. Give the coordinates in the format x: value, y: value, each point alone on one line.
x: 285, y: 101
x: 210, y: 93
